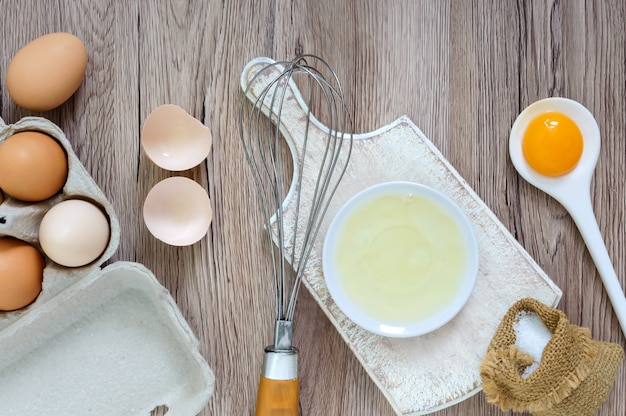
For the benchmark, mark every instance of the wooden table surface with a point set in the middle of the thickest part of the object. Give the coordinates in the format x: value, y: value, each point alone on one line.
x: 461, y: 70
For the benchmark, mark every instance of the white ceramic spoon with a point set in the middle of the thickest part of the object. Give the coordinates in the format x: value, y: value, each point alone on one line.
x: 572, y: 190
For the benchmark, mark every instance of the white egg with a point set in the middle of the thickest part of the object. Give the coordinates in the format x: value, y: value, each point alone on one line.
x: 74, y: 233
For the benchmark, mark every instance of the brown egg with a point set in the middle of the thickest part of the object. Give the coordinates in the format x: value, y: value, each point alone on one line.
x: 21, y: 273
x: 47, y: 71
x: 33, y: 166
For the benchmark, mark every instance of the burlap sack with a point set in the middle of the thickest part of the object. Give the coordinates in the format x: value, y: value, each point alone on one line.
x: 574, y: 377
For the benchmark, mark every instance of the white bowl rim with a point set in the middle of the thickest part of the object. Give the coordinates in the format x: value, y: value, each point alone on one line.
x: 438, y: 319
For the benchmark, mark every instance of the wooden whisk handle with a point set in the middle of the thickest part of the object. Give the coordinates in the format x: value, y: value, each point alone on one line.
x: 279, y: 385
x: 277, y: 397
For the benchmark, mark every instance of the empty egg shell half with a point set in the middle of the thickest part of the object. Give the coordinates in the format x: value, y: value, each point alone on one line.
x: 174, y: 140
x: 178, y: 211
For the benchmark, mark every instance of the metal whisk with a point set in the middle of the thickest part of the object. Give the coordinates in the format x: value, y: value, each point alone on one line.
x: 320, y: 157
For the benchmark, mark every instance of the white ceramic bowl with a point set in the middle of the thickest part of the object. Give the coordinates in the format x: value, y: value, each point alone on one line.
x: 391, y: 251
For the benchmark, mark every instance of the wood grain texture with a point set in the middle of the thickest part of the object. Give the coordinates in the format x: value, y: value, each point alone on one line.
x: 461, y: 70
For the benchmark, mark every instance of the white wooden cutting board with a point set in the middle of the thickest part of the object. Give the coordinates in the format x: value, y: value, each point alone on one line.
x: 427, y: 373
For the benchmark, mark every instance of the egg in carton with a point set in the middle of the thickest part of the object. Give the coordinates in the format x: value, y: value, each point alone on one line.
x: 96, y: 340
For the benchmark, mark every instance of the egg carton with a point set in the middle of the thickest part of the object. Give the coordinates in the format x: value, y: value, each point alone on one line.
x: 98, y: 341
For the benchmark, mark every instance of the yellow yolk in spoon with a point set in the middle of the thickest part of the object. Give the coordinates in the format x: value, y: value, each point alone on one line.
x: 552, y: 144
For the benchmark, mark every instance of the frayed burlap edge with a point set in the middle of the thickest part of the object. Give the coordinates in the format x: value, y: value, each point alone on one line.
x: 589, y: 395
x: 502, y: 366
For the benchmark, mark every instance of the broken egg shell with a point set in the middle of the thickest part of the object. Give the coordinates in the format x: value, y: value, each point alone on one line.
x: 178, y: 211
x: 174, y: 140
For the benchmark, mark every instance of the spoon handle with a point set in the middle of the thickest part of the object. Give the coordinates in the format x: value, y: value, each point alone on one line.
x: 582, y: 213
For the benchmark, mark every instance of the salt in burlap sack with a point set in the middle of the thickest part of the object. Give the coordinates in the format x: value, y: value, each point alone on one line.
x: 575, y: 373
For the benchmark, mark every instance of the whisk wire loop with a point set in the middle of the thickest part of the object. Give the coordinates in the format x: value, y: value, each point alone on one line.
x: 263, y: 153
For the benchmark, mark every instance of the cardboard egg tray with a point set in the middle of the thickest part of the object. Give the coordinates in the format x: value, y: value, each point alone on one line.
x: 98, y: 341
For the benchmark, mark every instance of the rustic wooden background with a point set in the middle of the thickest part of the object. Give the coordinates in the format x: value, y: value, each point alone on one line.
x: 461, y: 70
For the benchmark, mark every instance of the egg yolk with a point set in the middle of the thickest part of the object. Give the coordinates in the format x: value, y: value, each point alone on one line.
x: 552, y: 144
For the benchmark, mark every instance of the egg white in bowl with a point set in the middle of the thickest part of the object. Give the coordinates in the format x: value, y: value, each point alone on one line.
x: 400, y: 259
